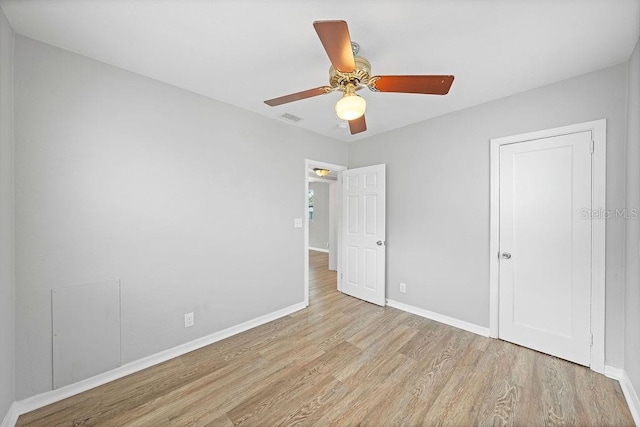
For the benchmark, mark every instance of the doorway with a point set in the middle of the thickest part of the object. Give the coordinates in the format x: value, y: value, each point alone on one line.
x: 547, y: 250
x: 322, y: 217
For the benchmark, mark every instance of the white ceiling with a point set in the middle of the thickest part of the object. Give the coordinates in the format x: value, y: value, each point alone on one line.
x: 244, y: 52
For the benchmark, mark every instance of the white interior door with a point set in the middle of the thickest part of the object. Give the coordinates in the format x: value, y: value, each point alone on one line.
x: 545, y: 245
x: 364, y: 233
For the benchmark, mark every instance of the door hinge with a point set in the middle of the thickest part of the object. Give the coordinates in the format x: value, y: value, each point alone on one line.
x: 591, y: 340
x: 592, y: 145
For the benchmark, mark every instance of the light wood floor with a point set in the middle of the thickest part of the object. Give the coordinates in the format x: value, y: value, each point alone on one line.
x: 346, y: 362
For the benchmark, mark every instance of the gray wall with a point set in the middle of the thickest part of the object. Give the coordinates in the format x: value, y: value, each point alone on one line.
x: 120, y: 176
x: 319, y: 227
x: 438, y: 194
x: 632, y: 312
x: 7, y: 342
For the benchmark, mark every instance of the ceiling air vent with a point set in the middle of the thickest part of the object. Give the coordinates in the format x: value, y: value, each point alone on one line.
x: 290, y: 118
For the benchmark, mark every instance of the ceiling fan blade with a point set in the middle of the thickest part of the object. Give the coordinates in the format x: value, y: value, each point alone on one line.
x: 430, y: 85
x: 357, y: 125
x: 298, y: 96
x: 334, y: 36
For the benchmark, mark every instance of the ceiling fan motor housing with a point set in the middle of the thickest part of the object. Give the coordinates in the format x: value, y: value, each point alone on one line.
x: 358, y: 77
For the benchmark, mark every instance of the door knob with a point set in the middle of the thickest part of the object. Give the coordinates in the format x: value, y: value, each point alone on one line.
x: 506, y: 255
x: 379, y: 243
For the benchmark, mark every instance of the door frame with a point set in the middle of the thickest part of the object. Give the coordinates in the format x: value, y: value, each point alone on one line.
x: 310, y: 164
x: 598, y: 129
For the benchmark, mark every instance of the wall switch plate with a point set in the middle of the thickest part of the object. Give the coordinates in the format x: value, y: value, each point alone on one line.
x: 189, y: 320
x: 403, y: 287
x: 297, y: 222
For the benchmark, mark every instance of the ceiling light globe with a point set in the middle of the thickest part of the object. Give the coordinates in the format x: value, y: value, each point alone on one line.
x: 350, y: 107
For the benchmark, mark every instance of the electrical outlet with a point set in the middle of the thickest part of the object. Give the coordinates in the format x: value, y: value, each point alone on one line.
x: 403, y: 287
x: 189, y: 320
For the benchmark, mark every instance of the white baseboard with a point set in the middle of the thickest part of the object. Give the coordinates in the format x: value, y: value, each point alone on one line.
x: 11, y: 418
x: 613, y: 373
x: 47, y: 398
x: 319, y: 250
x: 456, y: 323
x: 631, y: 395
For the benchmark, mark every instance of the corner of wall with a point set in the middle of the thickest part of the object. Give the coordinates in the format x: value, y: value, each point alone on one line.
x: 632, y: 266
x: 7, y: 247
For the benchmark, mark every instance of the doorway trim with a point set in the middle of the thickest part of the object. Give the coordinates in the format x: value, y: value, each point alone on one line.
x: 598, y: 129
x: 310, y: 164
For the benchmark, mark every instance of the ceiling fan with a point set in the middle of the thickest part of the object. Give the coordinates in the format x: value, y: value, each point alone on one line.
x: 349, y: 73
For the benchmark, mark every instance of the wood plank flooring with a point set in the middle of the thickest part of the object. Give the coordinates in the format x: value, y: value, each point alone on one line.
x: 345, y: 362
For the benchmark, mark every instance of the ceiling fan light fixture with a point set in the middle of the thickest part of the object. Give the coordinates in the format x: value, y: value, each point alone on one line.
x: 321, y: 172
x: 350, y: 106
